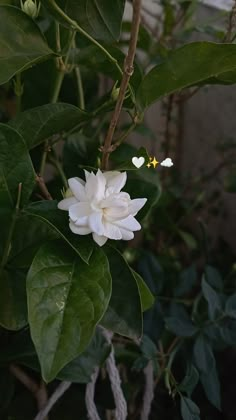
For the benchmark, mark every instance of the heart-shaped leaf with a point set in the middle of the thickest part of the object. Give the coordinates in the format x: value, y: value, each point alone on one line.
x: 66, y: 299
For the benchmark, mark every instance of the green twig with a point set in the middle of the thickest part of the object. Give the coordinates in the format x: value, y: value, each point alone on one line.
x: 55, y: 162
x: 74, y: 25
x: 7, y: 247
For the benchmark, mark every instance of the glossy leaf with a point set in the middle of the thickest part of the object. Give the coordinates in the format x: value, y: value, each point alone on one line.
x: 81, y: 368
x: 66, y: 299
x: 186, y: 66
x: 100, y: 18
x: 35, y: 232
x: 187, y: 280
x: 13, y: 306
x: 57, y: 221
x: 203, y: 355
x: 189, y: 410
x: 21, y: 43
x: 15, y: 166
x: 182, y: 327
x: 190, y: 381
x: 37, y: 124
x: 147, y: 298
x: 213, y: 300
x: 124, y: 313
x: 211, y: 384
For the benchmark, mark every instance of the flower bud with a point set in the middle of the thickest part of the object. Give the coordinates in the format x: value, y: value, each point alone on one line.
x: 115, y: 92
x: 31, y: 8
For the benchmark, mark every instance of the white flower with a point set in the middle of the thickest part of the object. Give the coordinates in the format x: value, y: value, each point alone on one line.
x: 98, y: 206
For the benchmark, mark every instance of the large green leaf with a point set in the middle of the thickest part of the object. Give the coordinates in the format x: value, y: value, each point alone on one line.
x: 13, y: 307
x: 57, y: 221
x: 189, y: 65
x: 213, y: 300
x: 81, y: 368
x: 15, y: 165
x: 203, y: 355
x: 37, y: 124
x: 124, y: 313
x: 189, y: 410
x: 66, y: 299
x: 21, y: 43
x: 35, y: 233
x: 211, y: 384
x: 100, y: 18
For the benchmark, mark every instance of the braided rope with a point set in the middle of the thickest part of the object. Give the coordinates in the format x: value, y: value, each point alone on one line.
x: 148, y: 391
x: 89, y: 396
x: 121, y: 411
x: 60, y: 390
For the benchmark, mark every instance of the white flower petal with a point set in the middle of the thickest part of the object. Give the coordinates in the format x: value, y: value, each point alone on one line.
x: 127, y: 235
x: 77, y: 187
x: 115, y: 180
x: 95, y: 186
x: 67, y: 203
x: 99, y: 239
x: 95, y: 222
x: 136, y: 204
x: 112, y: 231
x: 79, y: 213
x: 129, y: 223
x: 79, y: 230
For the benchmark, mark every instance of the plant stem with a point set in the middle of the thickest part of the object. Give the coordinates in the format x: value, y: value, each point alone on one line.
x: 128, y: 71
x: 18, y: 91
x: 11, y: 230
x: 57, y: 87
x: 74, y: 25
x: 79, y: 84
x: 55, y: 162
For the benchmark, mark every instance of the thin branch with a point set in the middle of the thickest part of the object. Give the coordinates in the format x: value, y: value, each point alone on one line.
x: 128, y: 71
x: 231, y: 24
x: 43, y: 187
x: 39, y: 391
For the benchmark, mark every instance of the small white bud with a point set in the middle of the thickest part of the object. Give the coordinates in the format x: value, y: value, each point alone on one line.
x: 31, y: 8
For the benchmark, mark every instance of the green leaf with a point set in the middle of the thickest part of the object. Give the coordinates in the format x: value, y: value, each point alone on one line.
x: 37, y: 124
x: 184, y: 67
x: 148, y: 348
x: 35, y: 232
x: 213, y: 300
x: 230, y: 307
x: 188, y: 238
x: 81, y: 368
x: 57, y: 220
x: 187, y: 281
x: 100, y: 18
x: 182, y: 326
x: 94, y: 59
x: 203, y: 355
x: 213, y: 277
x: 13, y: 306
x: 15, y: 165
x: 189, y: 410
x: 190, y: 381
x: 147, y: 298
x: 21, y: 43
x: 66, y: 299
x: 144, y: 184
x: 124, y: 313
x: 211, y: 385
